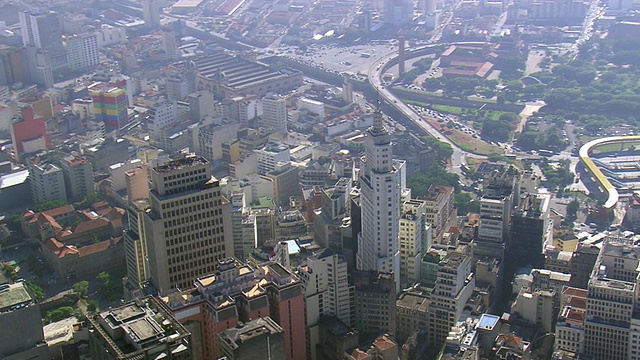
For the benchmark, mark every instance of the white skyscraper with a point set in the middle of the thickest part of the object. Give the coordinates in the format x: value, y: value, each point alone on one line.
x: 381, y: 183
x: 274, y: 112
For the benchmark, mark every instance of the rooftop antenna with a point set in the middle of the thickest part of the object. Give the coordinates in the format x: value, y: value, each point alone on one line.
x: 377, y: 115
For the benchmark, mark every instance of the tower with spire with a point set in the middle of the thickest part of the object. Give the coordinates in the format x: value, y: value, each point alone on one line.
x: 382, y: 183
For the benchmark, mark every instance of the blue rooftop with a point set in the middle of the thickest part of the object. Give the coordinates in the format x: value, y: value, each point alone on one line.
x: 488, y: 322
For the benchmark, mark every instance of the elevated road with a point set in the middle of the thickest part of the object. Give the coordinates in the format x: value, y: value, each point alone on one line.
x: 375, y: 72
x: 585, y: 150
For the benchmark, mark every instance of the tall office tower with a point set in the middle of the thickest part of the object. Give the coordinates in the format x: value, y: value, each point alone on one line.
x: 29, y: 133
x: 271, y: 154
x: 161, y: 115
x: 151, y: 13
x: 135, y: 249
x: 327, y: 292
x: 109, y: 105
x: 244, y: 226
x: 286, y: 183
x: 530, y: 229
x: 20, y: 324
x: 137, y: 183
x: 47, y: 183
x: 170, y: 44
x: 440, y: 208
x: 201, y: 104
x: 398, y: 11
x: 612, y: 326
x: 78, y: 177
x: 401, y: 59
x: 327, y: 223
x: 381, y: 186
x: 454, y: 286
x: 82, y: 51
x: 582, y: 263
x: 12, y: 65
x: 258, y: 338
x: 347, y: 89
x: 274, y: 112
x: 186, y: 228
x: 140, y: 329
x: 39, y: 68
x: 375, y: 303
x: 414, y: 240
x: 44, y: 31
x: 499, y: 189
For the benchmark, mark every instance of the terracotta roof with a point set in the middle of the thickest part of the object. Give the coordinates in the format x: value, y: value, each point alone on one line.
x: 60, y: 210
x: 358, y: 354
x: 28, y: 214
x: 43, y: 218
x: 571, y: 291
x: 577, y: 302
x: 384, y: 343
x: 59, y: 249
x: 98, y: 247
x: 90, y: 225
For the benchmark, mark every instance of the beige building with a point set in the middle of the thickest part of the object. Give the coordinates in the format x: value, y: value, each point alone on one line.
x: 570, y: 325
x: 137, y: 183
x: 536, y: 307
x: 440, y: 208
x: 412, y: 312
x: 414, y: 239
x: 78, y: 177
x: 186, y: 227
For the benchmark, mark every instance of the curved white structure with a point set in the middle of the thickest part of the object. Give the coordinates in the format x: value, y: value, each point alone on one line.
x: 612, y: 192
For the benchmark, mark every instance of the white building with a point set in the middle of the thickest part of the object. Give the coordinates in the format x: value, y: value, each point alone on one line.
x: 82, y: 51
x: 83, y: 108
x: 151, y: 13
x: 327, y: 291
x: 47, y: 183
x: 109, y: 35
x: 382, y: 183
x: 274, y: 112
x: 162, y: 115
x: 314, y: 107
x: 536, y: 307
x: 271, y: 154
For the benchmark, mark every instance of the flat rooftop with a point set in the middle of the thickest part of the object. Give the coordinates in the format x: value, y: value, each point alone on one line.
x: 237, y: 71
x: 13, y: 296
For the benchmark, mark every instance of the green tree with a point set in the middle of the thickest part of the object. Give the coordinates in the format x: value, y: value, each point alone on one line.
x: 466, y: 204
x: 81, y: 288
x: 59, y: 314
x: 103, y: 278
x: 92, y: 306
x: 572, y: 210
x: 36, y: 291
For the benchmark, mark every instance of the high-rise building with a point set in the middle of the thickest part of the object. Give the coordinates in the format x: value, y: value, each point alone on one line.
x: 137, y: 183
x: 161, y: 115
x: 260, y: 338
x: 582, y: 263
x: 143, y: 329
x: 454, y: 286
x: 347, y: 89
x: 20, y: 324
x: 47, y: 183
x: 151, y: 13
x: 530, y: 229
x: 78, y: 177
x: 612, y: 326
x: 109, y: 105
x: 12, y: 65
x: 135, y: 249
x: 44, y: 31
x: 39, y: 69
x: 187, y: 228
x: 285, y: 182
x: 170, y: 44
x: 82, y: 51
x: 440, y: 208
x: 382, y: 184
x: 398, y: 11
x: 274, y: 112
x: 270, y: 155
x: 413, y: 239
x: 375, y: 303
x: 29, y: 133
x: 327, y: 292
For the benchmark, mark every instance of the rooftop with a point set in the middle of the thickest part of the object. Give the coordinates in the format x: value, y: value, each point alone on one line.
x: 14, y: 296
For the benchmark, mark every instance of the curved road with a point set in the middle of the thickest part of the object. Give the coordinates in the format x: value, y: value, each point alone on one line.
x: 459, y: 156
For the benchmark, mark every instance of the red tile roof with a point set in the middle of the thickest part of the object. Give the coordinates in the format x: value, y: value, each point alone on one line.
x: 60, y: 210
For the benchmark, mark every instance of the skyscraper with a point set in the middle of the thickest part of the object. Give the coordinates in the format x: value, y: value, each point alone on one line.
x: 44, y: 31
x: 185, y: 227
x: 274, y: 112
x: 110, y: 105
x: 381, y: 183
x: 151, y: 13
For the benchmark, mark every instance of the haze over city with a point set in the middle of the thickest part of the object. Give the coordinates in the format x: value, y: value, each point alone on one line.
x: 322, y: 180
